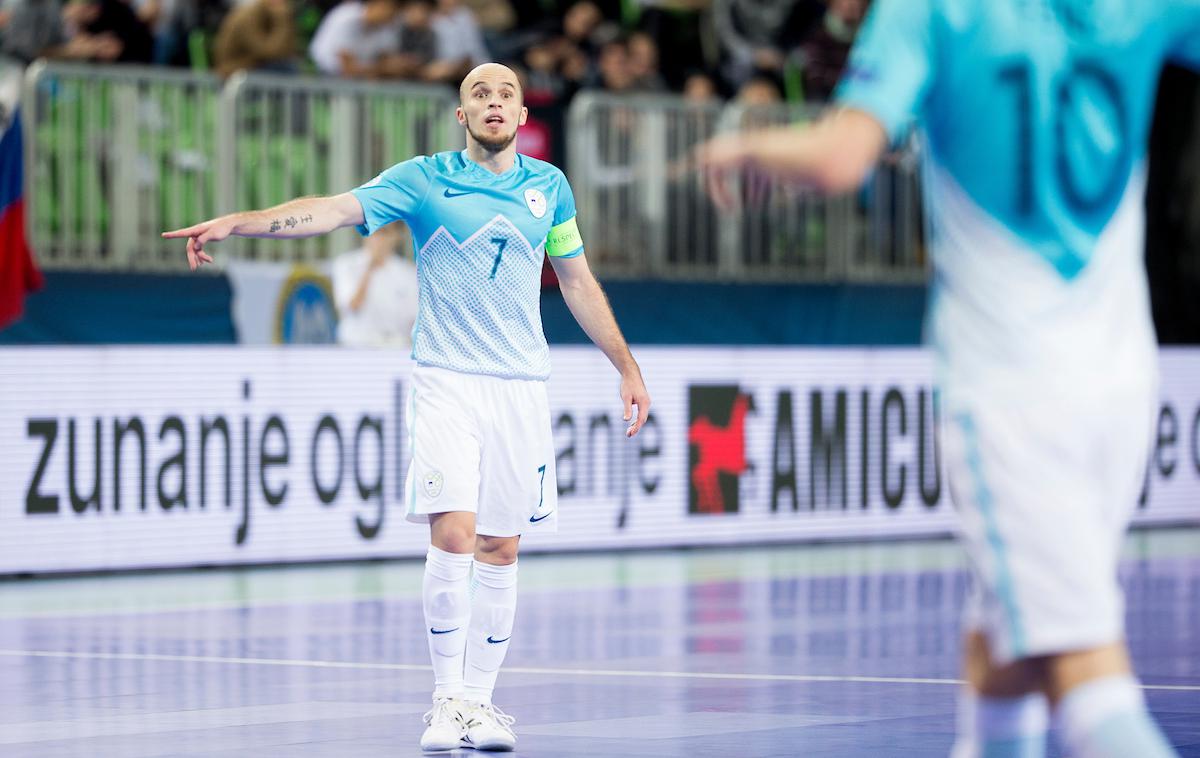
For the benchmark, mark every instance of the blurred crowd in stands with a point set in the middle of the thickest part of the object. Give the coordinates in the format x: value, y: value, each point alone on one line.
x: 758, y: 51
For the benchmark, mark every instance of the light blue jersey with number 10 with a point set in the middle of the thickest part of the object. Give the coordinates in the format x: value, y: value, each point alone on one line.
x: 1036, y: 115
x: 480, y: 241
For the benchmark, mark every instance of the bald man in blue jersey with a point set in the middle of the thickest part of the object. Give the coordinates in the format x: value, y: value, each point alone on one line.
x: 482, y: 471
x: 1035, y: 115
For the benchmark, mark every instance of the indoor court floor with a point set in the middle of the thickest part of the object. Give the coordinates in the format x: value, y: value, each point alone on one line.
x: 827, y: 650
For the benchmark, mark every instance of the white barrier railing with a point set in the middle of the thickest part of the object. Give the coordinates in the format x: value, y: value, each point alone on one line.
x: 116, y: 154
x: 113, y: 156
x: 648, y: 213
x: 297, y: 136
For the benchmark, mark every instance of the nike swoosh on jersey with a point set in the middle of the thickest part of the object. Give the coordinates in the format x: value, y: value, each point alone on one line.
x: 451, y: 193
x: 535, y: 519
x: 444, y: 631
x: 497, y: 642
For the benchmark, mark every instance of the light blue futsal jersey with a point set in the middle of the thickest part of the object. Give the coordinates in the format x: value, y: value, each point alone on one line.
x: 1036, y: 115
x: 480, y: 240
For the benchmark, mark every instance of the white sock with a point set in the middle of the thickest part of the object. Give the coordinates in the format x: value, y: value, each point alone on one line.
x: 493, y: 606
x: 1107, y: 718
x: 445, y: 597
x: 1001, y: 727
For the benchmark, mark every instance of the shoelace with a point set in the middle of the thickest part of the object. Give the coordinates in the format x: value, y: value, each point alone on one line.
x: 439, y: 712
x: 499, y: 716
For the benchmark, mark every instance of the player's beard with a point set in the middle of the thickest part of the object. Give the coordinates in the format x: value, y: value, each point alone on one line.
x: 492, y: 143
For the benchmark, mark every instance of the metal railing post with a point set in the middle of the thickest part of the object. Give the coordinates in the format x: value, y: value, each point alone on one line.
x: 30, y: 117
x: 125, y: 164
x: 227, y: 154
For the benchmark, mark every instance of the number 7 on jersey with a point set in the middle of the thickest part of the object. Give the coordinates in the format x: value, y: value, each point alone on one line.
x: 500, y: 243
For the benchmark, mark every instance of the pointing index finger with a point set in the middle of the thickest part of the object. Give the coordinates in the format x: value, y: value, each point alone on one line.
x: 189, y: 231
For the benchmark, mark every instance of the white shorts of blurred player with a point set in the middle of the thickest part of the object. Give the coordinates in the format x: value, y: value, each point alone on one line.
x: 1045, y: 491
x: 481, y: 444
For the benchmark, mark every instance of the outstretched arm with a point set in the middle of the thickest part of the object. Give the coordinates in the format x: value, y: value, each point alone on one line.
x: 303, y: 217
x: 887, y: 81
x: 590, y: 308
x: 833, y: 155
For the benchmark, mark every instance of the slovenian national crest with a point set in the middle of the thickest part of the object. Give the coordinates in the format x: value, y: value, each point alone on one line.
x: 536, y: 202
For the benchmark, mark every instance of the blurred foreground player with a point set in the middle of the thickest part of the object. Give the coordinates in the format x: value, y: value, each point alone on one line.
x: 1036, y: 114
x: 482, y: 470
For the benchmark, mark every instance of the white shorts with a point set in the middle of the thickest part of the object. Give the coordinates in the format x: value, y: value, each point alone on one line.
x: 481, y: 444
x: 1046, y: 490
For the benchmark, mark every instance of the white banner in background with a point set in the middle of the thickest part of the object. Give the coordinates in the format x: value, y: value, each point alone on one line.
x: 116, y: 458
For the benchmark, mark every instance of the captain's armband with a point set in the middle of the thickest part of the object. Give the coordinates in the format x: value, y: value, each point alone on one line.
x: 564, y: 239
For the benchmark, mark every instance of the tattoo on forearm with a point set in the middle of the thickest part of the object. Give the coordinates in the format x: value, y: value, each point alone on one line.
x: 291, y: 222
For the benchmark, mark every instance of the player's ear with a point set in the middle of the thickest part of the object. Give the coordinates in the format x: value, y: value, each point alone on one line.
x: 524, y: 116
x: 462, y: 117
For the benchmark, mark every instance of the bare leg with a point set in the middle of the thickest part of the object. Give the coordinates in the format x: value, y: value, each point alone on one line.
x: 1066, y: 671
x: 453, y: 532
x: 497, y: 551
x: 1002, y: 712
x: 1013, y: 680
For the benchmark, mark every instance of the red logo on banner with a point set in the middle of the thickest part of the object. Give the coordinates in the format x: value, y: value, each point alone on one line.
x: 717, y: 440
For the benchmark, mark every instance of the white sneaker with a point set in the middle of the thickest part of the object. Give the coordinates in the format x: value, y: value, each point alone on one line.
x: 446, y: 726
x: 488, y: 728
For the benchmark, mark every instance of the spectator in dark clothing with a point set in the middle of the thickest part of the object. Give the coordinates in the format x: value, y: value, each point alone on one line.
x: 418, y: 43
x: 545, y: 83
x: 562, y: 63
x: 615, y: 74
x: 417, y: 37
x: 684, y: 28
x: 754, y: 34
x: 576, y: 67
x: 586, y: 29
x: 169, y: 22
x: 643, y: 63
x: 109, y: 32
x: 826, y: 49
x: 259, y: 34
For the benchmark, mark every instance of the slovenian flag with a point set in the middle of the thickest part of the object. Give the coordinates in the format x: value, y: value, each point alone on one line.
x: 18, y: 274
